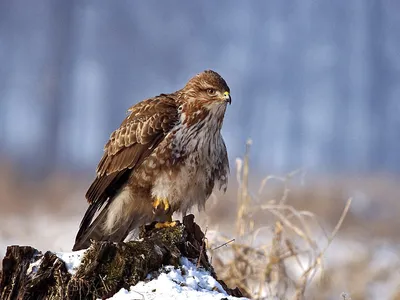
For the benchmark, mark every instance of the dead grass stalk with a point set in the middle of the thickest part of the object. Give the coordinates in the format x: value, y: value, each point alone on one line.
x: 277, y: 261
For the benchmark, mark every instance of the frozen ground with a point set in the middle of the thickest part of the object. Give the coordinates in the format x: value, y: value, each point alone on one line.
x: 357, y: 262
x: 41, y: 231
x: 357, y: 266
x: 186, y: 282
x: 72, y: 259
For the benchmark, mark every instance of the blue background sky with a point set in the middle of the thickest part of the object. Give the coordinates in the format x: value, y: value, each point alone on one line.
x: 315, y: 84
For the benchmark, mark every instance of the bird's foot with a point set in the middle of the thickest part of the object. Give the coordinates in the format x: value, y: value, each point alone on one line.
x: 165, y: 224
x: 162, y: 208
x: 161, y: 205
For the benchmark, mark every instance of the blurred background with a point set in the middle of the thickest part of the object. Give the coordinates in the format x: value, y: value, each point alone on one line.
x: 315, y: 85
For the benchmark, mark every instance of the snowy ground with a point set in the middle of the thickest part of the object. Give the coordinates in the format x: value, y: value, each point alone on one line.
x: 351, y: 265
x: 185, y: 282
x: 357, y: 264
x: 72, y: 259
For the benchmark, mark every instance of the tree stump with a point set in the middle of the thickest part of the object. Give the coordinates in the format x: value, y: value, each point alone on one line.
x: 106, y: 267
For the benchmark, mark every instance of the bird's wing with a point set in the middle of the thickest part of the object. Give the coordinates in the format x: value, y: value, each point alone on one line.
x: 139, y: 134
x: 143, y: 129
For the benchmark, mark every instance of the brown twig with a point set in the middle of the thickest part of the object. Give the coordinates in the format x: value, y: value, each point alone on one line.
x: 202, y: 249
x: 224, y: 244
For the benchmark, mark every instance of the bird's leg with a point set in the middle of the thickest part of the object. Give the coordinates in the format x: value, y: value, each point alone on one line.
x: 161, y: 206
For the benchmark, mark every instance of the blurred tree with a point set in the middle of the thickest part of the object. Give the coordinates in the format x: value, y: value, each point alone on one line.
x: 339, y: 151
x: 315, y: 84
x: 57, y: 76
x: 378, y: 86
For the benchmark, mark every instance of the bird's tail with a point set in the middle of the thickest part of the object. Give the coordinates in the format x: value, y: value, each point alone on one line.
x: 95, y: 230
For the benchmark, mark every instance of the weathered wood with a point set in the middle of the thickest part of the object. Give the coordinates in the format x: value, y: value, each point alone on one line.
x: 106, y: 267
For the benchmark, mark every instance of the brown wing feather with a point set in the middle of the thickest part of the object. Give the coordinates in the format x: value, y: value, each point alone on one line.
x: 139, y: 134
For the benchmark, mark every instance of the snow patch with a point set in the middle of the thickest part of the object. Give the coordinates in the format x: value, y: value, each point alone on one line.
x: 185, y: 282
x: 34, y: 265
x: 72, y: 259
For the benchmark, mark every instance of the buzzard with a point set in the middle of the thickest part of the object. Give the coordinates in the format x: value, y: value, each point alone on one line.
x: 166, y: 157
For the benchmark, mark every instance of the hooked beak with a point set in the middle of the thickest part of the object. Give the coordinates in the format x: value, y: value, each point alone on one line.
x: 227, y: 97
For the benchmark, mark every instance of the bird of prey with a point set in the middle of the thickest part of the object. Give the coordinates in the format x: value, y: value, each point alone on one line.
x: 166, y: 157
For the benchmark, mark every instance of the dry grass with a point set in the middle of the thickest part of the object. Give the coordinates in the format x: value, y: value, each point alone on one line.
x: 262, y: 260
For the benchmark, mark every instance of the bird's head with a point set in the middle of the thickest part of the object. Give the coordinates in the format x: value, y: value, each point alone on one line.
x: 208, y: 89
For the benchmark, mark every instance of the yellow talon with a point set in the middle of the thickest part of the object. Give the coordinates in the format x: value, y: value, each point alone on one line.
x: 166, y: 204
x: 159, y: 201
x: 156, y: 203
x: 165, y: 224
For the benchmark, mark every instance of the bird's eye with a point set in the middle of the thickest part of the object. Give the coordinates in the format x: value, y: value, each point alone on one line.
x: 211, y: 92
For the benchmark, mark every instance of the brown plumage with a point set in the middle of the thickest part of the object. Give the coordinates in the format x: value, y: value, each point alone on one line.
x: 168, y: 150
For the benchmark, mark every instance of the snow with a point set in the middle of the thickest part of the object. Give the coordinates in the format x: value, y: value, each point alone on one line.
x: 72, y: 259
x: 185, y: 282
x: 34, y: 265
